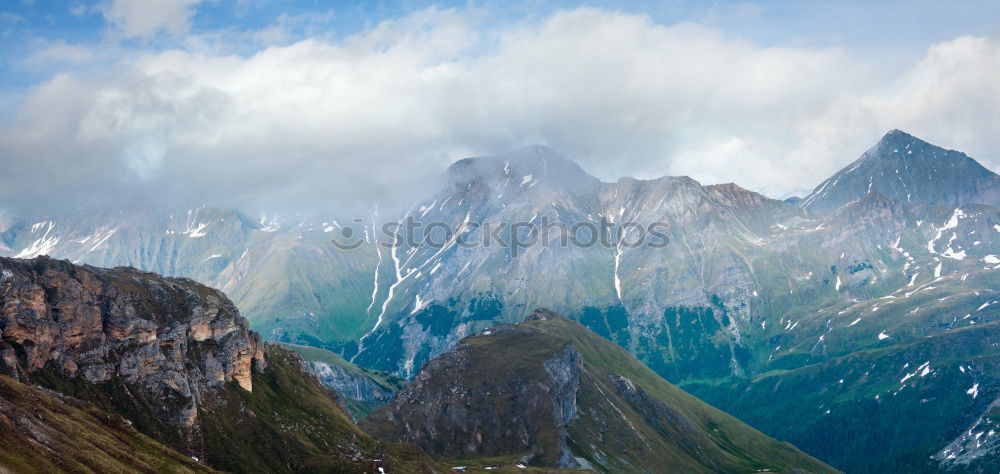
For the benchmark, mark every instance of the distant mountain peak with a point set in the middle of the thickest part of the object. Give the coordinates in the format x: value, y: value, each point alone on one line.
x: 894, y: 141
x: 907, y: 169
x: 525, y: 165
x: 896, y: 134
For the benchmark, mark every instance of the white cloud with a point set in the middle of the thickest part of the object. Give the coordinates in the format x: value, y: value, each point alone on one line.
x: 950, y: 98
x: 59, y: 53
x: 365, y: 117
x: 146, y: 18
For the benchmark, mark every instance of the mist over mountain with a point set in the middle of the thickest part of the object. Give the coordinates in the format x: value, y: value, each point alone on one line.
x: 858, y: 281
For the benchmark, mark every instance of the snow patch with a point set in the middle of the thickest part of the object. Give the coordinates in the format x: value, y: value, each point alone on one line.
x: 419, y: 305
x: 951, y: 224
x: 269, y: 225
x: 42, y: 245
x: 197, y: 231
x: 103, y: 239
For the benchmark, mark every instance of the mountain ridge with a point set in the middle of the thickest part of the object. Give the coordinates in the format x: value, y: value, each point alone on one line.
x: 746, y: 285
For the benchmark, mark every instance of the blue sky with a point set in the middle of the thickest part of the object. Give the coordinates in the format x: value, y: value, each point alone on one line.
x: 852, y: 23
x: 775, y: 95
x: 892, y: 31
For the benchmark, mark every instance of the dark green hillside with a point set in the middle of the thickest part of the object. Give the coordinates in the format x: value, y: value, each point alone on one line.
x: 884, y: 410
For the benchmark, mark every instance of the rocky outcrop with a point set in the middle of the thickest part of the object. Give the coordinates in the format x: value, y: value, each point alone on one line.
x: 349, y: 384
x: 977, y: 448
x: 167, y: 343
x: 469, y: 403
x: 170, y: 359
x: 563, y: 371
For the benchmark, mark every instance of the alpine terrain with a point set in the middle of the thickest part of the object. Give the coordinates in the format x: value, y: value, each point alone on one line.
x: 862, y: 311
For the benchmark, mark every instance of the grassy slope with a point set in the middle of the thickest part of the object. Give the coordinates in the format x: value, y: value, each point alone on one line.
x: 740, y: 447
x: 308, y: 288
x: 291, y: 424
x: 848, y: 410
x: 43, y: 432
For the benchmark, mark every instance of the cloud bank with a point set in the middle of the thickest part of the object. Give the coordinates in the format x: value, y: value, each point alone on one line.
x: 375, y: 117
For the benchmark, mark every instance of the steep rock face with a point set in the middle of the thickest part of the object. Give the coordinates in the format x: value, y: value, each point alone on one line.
x: 613, y: 267
x: 743, y: 282
x: 912, y: 171
x: 170, y: 342
x: 557, y: 394
x: 977, y: 449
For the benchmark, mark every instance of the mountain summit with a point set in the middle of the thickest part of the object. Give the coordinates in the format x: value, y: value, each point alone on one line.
x: 909, y: 170
x: 521, y: 169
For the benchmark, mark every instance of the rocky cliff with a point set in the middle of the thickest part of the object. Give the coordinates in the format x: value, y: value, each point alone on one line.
x: 169, y: 341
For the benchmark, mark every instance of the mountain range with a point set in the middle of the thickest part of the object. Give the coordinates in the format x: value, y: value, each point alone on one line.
x: 121, y: 370
x: 872, y: 298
